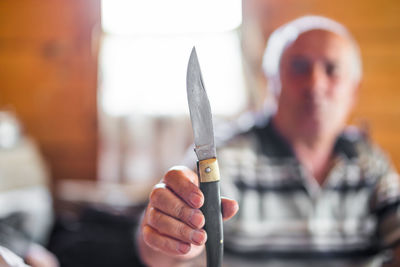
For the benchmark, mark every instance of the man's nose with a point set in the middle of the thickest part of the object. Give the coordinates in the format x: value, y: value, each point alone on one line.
x: 317, y: 79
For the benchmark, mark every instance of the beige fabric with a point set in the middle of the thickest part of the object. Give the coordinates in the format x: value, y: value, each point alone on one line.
x: 24, y: 188
x: 22, y: 166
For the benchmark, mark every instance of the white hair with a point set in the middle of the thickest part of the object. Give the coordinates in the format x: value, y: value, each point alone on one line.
x: 285, y: 35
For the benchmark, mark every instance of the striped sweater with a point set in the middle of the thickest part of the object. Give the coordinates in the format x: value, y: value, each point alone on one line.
x: 287, y: 219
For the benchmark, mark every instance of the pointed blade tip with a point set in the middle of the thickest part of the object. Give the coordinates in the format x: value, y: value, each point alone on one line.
x: 193, y: 53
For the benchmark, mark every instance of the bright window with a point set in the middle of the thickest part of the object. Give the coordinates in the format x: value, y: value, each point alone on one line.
x: 146, y: 49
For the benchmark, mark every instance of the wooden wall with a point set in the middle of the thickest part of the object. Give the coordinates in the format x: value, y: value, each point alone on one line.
x: 375, y: 25
x: 48, y: 75
x: 48, y: 68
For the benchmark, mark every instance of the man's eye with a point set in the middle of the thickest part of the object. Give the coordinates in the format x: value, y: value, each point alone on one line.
x: 300, y: 66
x: 331, y: 69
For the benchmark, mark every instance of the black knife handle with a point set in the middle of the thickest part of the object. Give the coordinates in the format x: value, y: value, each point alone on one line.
x: 212, y: 211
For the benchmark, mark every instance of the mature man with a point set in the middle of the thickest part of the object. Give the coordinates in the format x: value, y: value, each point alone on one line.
x: 311, y: 191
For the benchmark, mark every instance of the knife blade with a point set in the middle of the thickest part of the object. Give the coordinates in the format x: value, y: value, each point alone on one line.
x: 207, y: 164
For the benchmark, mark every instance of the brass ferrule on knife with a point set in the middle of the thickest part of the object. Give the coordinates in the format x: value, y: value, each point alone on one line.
x: 208, y: 170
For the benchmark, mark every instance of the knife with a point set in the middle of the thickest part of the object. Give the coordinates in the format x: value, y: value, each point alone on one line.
x: 207, y: 164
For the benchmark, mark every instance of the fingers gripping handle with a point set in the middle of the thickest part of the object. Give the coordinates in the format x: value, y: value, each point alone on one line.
x: 209, y: 184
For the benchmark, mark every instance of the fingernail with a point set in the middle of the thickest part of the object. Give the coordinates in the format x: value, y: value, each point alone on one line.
x: 195, y: 199
x: 197, y: 218
x: 198, y: 236
x: 183, y: 247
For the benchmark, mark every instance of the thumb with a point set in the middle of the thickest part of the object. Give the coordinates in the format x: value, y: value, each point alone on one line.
x: 229, y: 208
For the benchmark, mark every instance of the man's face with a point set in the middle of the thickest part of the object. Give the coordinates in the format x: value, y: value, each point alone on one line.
x: 318, y: 85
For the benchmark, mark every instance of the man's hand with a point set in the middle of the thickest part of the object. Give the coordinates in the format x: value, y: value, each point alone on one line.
x: 172, y: 223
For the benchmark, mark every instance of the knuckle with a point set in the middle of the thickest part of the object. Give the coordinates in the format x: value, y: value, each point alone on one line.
x: 155, y: 241
x: 179, y: 210
x: 154, y: 217
x: 182, y: 231
x: 156, y: 194
x: 174, y: 173
x: 148, y: 237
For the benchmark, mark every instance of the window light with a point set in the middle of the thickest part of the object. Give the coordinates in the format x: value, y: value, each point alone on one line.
x: 171, y: 16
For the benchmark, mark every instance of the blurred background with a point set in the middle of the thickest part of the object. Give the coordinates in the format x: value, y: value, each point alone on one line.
x: 93, y: 93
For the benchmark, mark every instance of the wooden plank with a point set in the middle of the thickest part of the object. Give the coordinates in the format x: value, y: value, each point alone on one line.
x: 48, y: 75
